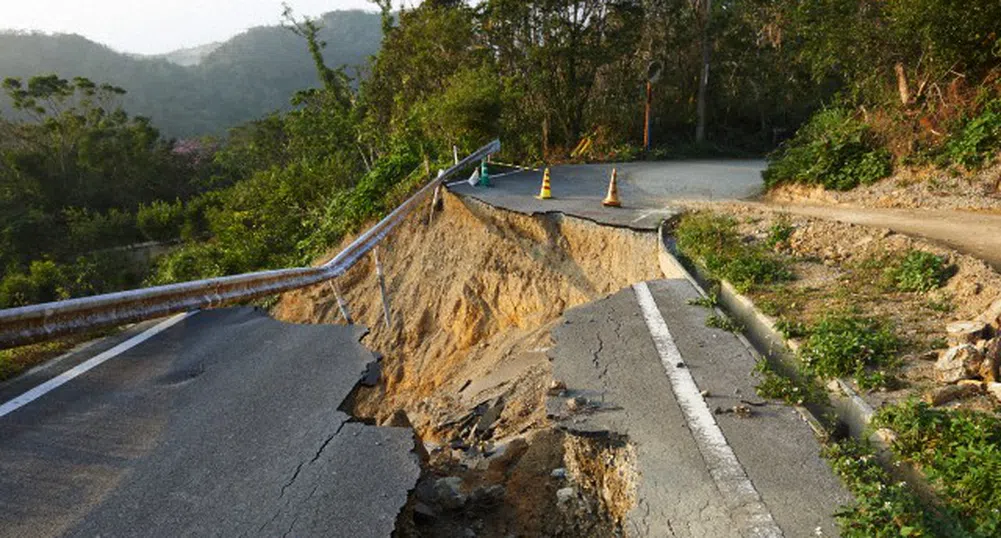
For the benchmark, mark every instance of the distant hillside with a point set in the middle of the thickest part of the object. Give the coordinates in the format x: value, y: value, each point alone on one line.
x: 189, y: 56
x: 250, y: 75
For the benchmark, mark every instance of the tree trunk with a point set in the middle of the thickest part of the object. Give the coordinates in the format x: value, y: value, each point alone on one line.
x: 700, y: 126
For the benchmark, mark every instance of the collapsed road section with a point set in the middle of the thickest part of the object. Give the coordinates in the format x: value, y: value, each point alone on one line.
x: 541, y: 400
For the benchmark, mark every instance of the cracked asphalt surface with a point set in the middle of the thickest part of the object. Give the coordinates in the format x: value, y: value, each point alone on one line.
x: 226, y: 424
x: 604, y: 353
x: 646, y: 189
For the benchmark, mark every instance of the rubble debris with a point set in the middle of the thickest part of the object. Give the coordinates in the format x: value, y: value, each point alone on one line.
x: 959, y: 362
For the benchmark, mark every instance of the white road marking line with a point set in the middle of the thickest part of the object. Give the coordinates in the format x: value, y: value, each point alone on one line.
x: 83, y: 367
x: 730, y: 477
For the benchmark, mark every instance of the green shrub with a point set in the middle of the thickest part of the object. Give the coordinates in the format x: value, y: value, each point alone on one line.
x: 160, y: 220
x: 780, y: 231
x: 882, y: 508
x: 91, y: 230
x: 834, y: 150
x: 849, y: 345
x: 919, y: 271
x: 776, y: 386
x: 979, y: 138
x: 44, y: 282
x: 725, y: 323
x: 960, y: 451
x: 192, y: 261
x: 713, y: 241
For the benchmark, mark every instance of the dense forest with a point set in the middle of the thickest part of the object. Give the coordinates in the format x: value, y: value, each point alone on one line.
x: 874, y: 85
x: 240, y: 80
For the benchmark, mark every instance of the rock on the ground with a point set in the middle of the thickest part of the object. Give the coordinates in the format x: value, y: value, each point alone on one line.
x: 560, y: 473
x: 989, y: 368
x: 948, y: 393
x: 565, y: 495
x: 960, y: 362
x: 992, y: 316
x: 448, y: 492
x: 995, y: 390
x: 965, y: 332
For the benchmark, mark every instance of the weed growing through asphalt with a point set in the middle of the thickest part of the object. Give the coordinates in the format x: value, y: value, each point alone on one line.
x: 918, y: 271
x: 709, y: 300
x: 844, y: 344
x: 882, y: 508
x: 713, y: 241
x: 776, y: 386
x: 959, y: 451
x: 724, y: 323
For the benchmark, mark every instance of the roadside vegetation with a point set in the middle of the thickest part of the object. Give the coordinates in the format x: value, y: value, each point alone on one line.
x: 919, y: 87
x: 871, y: 307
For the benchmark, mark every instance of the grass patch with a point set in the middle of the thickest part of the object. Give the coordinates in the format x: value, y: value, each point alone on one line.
x: 959, y: 451
x: 776, y: 386
x: 16, y: 360
x: 790, y: 329
x: 918, y: 271
x: 780, y: 231
x: 844, y: 344
x: 713, y: 241
x: 710, y: 300
x: 882, y: 508
x: 724, y: 323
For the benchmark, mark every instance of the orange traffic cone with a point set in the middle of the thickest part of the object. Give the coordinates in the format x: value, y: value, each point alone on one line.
x: 612, y: 200
x: 546, y: 192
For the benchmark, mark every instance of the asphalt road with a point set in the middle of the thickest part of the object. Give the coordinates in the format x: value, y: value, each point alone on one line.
x: 689, y: 484
x: 646, y: 189
x: 226, y: 424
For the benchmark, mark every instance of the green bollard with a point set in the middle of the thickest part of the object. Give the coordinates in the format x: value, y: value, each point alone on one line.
x: 484, y: 174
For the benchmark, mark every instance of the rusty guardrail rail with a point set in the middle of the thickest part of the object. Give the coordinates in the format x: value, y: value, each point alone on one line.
x: 35, y: 323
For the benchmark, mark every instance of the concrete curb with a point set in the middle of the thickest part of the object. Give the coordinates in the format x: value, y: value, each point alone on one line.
x: 764, y: 341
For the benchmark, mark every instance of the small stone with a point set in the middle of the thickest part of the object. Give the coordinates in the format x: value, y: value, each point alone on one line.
x: 989, y: 368
x: 948, y: 393
x: 992, y: 316
x: 559, y: 472
x: 995, y: 390
x: 488, y: 494
x: 960, y: 362
x: 557, y: 387
x: 965, y: 332
x: 705, y: 393
x: 576, y: 403
x: 679, y: 365
x: 448, y: 492
x: 565, y: 495
x: 424, y: 513
x: 742, y: 411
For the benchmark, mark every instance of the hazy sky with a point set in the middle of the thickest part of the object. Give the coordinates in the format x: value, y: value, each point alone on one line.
x: 155, y: 26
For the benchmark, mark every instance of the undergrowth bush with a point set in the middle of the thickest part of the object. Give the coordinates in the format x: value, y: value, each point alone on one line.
x: 713, y: 241
x: 834, y: 150
x: 978, y: 140
x: 844, y: 344
x: 959, y: 451
x: 919, y: 271
x: 882, y: 508
x: 161, y: 220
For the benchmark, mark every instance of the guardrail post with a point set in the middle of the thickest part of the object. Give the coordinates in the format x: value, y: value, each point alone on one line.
x: 382, y: 286
x: 434, y: 200
x: 455, y: 153
x: 341, y: 303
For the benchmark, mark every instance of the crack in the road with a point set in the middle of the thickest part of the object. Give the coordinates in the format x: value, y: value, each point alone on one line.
x: 319, y: 451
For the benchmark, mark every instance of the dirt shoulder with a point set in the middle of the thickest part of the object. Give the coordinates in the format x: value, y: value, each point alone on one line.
x: 839, y: 267
x: 909, y: 188
x: 976, y: 234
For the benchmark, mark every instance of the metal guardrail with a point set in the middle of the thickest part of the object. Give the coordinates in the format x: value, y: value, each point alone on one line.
x: 34, y: 323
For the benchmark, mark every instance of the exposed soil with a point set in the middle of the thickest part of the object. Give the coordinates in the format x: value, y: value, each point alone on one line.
x: 909, y: 188
x: 841, y: 266
x: 473, y: 298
